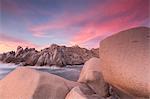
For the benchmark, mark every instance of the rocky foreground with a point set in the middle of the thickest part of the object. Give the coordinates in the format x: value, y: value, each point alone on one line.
x: 53, y: 55
x: 122, y: 72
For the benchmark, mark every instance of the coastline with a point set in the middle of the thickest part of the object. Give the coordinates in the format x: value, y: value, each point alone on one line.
x: 73, y: 71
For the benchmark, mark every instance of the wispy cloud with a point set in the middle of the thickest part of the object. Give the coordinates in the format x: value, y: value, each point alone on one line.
x: 98, y: 20
x: 8, y: 43
x: 119, y: 16
x: 74, y: 22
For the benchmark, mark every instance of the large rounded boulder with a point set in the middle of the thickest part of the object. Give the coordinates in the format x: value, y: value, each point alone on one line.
x: 125, y: 60
x: 25, y: 83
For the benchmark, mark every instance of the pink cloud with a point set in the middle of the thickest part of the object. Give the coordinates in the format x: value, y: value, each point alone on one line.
x: 8, y: 43
x: 129, y: 19
x: 90, y: 32
x: 61, y: 23
x: 92, y: 15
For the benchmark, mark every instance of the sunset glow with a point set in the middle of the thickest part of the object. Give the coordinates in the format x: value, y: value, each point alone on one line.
x: 39, y: 23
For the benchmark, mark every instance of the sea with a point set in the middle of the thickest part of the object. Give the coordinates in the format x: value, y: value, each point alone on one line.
x: 69, y: 72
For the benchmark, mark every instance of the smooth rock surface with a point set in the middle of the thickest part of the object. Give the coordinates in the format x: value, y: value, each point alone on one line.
x: 25, y: 83
x: 125, y: 61
x: 91, y: 75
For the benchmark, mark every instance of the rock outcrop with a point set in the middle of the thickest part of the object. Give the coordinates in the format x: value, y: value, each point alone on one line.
x: 25, y: 83
x: 92, y: 84
x: 121, y: 72
x: 91, y: 75
x: 53, y: 55
x: 125, y: 61
x: 8, y: 57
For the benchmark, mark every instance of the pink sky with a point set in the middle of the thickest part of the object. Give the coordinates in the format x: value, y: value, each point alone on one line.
x: 67, y: 22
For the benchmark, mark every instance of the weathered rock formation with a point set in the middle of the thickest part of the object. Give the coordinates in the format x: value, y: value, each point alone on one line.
x: 92, y: 84
x: 53, y: 55
x: 125, y: 61
x: 25, y: 83
x: 91, y: 75
x: 121, y: 72
x: 82, y: 92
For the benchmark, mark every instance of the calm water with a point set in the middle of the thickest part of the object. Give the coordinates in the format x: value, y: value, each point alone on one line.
x: 69, y: 72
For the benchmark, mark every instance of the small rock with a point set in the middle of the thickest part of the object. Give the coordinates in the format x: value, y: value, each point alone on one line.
x: 82, y: 92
